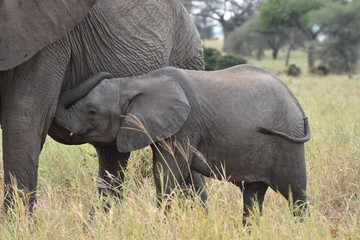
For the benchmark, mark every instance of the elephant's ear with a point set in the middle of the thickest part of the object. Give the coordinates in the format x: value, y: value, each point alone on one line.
x: 28, y: 26
x: 157, y: 108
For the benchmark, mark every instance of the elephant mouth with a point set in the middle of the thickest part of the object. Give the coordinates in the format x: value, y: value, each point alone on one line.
x: 80, y: 133
x: 90, y: 136
x: 63, y: 136
x: 77, y: 138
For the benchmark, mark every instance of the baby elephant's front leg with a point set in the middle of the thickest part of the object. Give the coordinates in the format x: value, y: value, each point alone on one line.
x: 170, y: 167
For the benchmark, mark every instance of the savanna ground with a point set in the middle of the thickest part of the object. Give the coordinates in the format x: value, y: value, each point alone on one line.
x: 67, y: 182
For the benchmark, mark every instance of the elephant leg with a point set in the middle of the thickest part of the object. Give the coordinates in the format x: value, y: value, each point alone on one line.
x: 253, y: 193
x: 290, y: 179
x: 28, y: 103
x: 20, y: 156
x: 170, y: 171
x: 111, y: 170
x: 295, y: 193
x: 197, y: 182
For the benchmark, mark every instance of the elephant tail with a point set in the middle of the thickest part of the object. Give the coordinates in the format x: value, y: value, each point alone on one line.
x: 290, y: 138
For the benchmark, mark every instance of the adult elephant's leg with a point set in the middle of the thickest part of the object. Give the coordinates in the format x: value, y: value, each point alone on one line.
x: 111, y: 170
x: 28, y: 102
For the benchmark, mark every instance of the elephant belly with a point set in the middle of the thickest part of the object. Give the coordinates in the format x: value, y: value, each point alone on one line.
x: 241, y: 161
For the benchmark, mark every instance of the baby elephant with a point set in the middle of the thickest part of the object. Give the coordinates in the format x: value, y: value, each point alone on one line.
x: 241, y: 124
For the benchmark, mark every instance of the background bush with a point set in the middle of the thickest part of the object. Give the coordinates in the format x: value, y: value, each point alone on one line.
x: 293, y: 70
x: 229, y: 60
x: 214, y: 60
x: 211, y: 56
x: 322, y: 70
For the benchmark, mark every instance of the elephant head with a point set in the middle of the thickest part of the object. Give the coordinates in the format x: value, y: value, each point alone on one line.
x: 133, y: 112
x: 66, y: 108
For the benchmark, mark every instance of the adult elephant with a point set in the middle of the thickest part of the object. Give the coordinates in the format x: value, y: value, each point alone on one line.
x: 48, y: 47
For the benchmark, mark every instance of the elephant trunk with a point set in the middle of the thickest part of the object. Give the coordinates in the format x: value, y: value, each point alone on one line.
x: 68, y: 98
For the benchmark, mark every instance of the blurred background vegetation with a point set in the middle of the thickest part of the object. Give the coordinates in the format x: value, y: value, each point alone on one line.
x: 328, y: 31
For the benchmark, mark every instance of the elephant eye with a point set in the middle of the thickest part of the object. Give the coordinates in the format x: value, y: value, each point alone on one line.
x: 92, y: 112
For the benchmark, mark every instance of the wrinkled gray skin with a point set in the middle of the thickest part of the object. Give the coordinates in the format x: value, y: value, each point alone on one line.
x: 123, y: 37
x: 244, y: 122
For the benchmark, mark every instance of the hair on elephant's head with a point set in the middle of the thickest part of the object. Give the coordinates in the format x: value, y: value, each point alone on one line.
x: 133, y: 112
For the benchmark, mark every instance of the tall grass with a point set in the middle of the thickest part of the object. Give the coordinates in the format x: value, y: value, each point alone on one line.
x: 67, y: 183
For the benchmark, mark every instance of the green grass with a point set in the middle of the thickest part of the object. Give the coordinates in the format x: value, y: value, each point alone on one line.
x: 67, y: 185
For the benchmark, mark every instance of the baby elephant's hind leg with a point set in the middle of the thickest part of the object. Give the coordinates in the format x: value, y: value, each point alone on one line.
x: 197, y: 183
x: 253, y: 193
x: 295, y: 193
x: 291, y: 181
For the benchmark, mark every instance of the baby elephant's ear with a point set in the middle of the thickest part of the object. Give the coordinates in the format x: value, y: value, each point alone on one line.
x: 158, y: 108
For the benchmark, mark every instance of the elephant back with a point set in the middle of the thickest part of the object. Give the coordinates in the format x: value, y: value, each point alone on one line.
x: 28, y: 26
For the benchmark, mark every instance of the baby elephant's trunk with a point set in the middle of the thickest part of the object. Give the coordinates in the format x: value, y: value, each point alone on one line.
x: 293, y: 139
x: 71, y: 96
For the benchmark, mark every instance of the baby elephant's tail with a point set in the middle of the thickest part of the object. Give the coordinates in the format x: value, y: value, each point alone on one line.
x: 293, y: 139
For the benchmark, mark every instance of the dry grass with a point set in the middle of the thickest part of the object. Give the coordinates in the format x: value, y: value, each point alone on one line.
x: 214, y: 43
x: 67, y: 186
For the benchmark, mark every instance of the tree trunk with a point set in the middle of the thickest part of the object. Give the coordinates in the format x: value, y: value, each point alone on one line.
x: 275, y: 53
x: 287, y: 60
x: 311, y: 57
x: 226, y: 27
x: 259, y: 54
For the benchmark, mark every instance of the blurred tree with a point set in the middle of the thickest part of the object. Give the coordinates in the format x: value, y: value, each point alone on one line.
x: 204, y: 26
x: 340, y: 50
x: 246, y: 40
x: 275, y: 39
x: 294, y: 15
x: 228, y: 13
x: 249, y: 37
